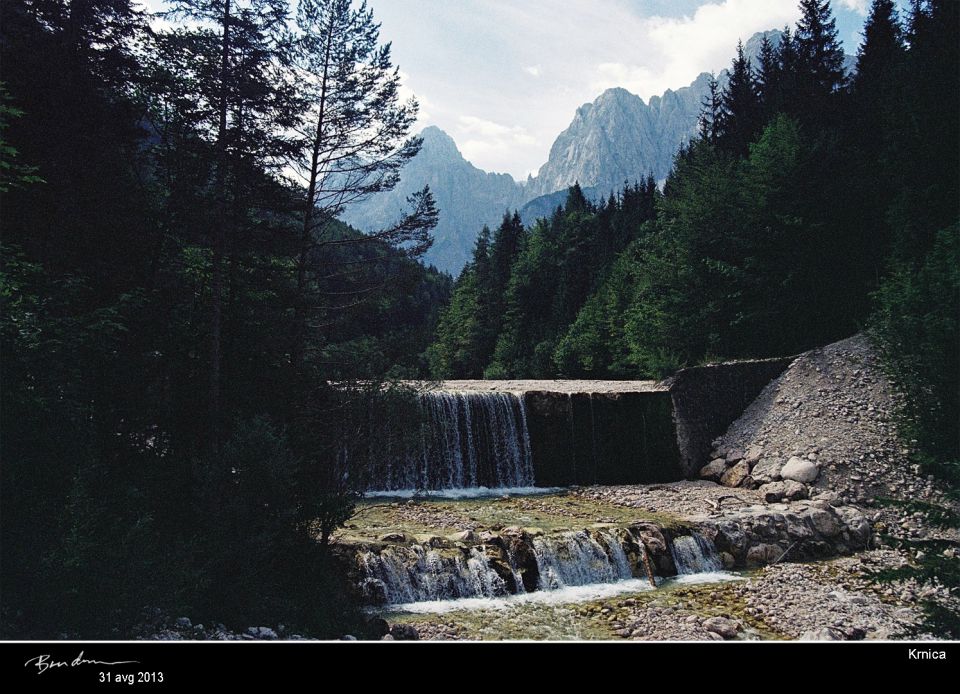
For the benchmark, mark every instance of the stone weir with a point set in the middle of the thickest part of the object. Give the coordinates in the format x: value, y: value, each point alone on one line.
x: 402, y: 568
x: 589, y: 432
x: 584, y: 432
x: 596, y: 432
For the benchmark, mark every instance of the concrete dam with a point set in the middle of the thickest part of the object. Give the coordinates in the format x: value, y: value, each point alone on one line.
x: 514, y: 434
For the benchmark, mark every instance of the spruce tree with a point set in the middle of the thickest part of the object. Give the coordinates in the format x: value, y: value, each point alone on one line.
x: 768, y: 76
x: 819, y: 53
x: 711, y: 124
x: 741, y: 107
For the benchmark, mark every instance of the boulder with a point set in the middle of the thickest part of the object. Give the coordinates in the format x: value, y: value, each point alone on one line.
x: 800, y: 470
x: 766, y: 470
x: 773, y: 491
x: 404, y: 632
x: 394, y: 538
x: 262, y: 633
x: 713, y: 470
x: 763, y: 554
x: 736, y: 475
x: 824, y: 522
x: 183, y: 623
x: 734, y: 455
x: 726, y: 628
x: 794, y: 491
x: 830, y: 497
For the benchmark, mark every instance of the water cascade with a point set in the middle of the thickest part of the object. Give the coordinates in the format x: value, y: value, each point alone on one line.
x: 466, y: 440
x: 694, y: 554
x: 414, y: 573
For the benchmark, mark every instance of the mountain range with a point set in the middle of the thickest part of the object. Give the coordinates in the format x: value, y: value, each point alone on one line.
x: 617, y: 139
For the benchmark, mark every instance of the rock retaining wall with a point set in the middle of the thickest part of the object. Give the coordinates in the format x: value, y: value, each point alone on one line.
x: 707, y: 399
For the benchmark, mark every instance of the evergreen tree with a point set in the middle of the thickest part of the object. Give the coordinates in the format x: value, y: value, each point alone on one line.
x: 768, y: 77
x: 355, y: 138
x: 819, y: 56
x: 882, y: 48
x: 711, y: 124
x: 741, y: 107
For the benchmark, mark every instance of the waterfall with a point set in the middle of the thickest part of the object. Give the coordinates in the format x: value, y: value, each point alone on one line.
x: 694, y: 554
x: 416, y: 573
x: 466, y: 440
x: 413, y: 574
x: 579, y: 559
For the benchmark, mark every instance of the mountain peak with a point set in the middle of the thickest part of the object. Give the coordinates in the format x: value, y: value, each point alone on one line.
x: 438, y: 142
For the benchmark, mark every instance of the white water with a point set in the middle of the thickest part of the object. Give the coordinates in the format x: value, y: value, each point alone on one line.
x: 416, y: 573
x: 467, y: 440
x: 694, y: 554
x: 562, y: 596
x: 569, y: 594
x: 464, y: 493
x: 578, y: 559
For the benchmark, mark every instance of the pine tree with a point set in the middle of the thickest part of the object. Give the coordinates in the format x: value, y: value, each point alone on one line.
x: 820, y: 55
x: 354, y: 137
x: 711, y: 114
x: 882, y: 47
x: 741, y: 107
x: 768, y: 76
x: 228, y: 68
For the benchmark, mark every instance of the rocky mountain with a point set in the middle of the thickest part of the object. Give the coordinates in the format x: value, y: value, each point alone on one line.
x: 467, y: 197
x: 618, y: 138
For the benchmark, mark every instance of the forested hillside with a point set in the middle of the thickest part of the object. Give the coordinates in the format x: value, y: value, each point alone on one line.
x: 177, y: 294
x: 810, y: 207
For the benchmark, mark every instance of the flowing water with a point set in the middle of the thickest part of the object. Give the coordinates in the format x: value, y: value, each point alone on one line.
x: 694, y: 554
x: 467, y: 441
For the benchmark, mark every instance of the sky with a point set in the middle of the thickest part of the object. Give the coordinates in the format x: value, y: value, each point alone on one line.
x: 505, y: 77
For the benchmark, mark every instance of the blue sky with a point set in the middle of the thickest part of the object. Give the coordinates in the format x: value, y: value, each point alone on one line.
x: 505, y: 77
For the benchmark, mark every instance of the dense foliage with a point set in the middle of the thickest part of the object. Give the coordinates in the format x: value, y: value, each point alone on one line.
x: 811, y: 206
x: 175, y: 305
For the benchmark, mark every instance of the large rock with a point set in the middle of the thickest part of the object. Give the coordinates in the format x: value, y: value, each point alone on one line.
x: 736, y: 475
x: 713, y: 470
x: 727, y: 628
x: 824, y: 522
x: 773, y: 491
x: 767, y: 470
x: 404, y: 632
x: 787, y: 489
x: 800, y: 470
x: 763, y: 554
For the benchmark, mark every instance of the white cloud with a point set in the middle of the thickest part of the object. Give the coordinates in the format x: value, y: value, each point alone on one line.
x: 677, y: 49
x: 406, y: 91
x: 858, y: 6
x: 530, y: 64
x: 495, y: 144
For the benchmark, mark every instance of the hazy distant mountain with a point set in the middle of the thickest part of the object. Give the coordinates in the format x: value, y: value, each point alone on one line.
x: 467, y: 197
x: 618, y: 138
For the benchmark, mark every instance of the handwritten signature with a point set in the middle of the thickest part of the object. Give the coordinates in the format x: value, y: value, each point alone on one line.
x: 43, y: 662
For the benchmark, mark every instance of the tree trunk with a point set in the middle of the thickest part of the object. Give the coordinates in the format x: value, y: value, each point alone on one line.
x: 300, y: 310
